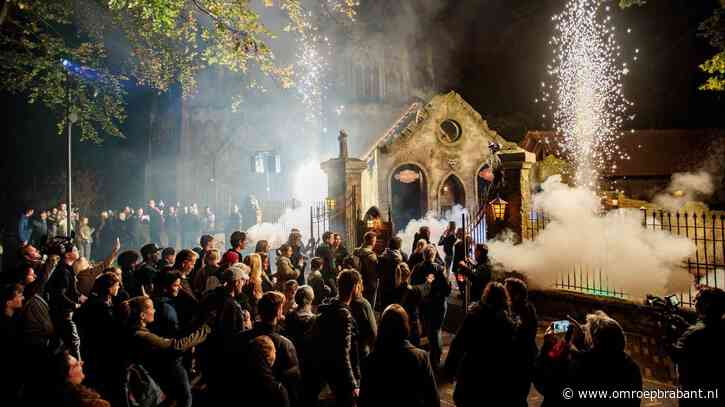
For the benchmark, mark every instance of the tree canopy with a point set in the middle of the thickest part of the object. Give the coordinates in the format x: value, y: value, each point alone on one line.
x: 154, y: 43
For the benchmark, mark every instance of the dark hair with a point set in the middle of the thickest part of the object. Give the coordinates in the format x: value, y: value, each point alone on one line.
x: 283, y: 249
x: 128, y: 259
x: 394, y: 327
x: 326, y: 236
x: 316, y: 263
x: 395, y: 243
x: 496, y: 296
x: 516, y: 286
x: 368, y: 237
x: 102, y: 285
x: 237, y: 237
x: 166, y: 280
x: 269, y: 304
x: 348, y: 262
x: 204, y: 241
x: 9, y: 292
x: 346, y: 282
x: 169, y: 251
x: 710, y: 302
x: 184, y: 255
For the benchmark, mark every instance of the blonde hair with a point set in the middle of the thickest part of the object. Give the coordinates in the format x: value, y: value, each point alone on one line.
x: 402, y: 274
x: 212, y: 256
x: 420, y: 245
x: 81, y: 264
x: 255, y: 274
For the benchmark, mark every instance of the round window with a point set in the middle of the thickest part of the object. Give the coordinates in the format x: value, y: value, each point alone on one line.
x: 450, y: 131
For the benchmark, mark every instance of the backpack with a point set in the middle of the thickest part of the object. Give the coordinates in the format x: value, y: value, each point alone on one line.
x: 140, y: 388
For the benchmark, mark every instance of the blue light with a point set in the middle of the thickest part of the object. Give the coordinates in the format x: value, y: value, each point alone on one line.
x: 83, y: 72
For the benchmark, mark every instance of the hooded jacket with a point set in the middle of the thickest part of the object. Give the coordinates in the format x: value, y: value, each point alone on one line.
x: 285, y: 272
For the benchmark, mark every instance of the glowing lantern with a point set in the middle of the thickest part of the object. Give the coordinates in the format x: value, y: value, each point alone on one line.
x: 330, y: 203
x: 498, y: 208
x: 370, y: 223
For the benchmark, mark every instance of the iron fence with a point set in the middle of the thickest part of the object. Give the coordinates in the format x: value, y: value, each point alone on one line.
x: 707, y: 232
x: 585, y: 280
x: 706, y: 265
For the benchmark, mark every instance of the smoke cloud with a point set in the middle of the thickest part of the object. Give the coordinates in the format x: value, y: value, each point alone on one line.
x: 685, y: 187
x: 436, y: 225
x: 634, y: 259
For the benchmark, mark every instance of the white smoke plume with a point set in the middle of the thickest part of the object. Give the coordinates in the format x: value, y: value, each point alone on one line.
x: 436, y: 225
x: 634, y: 259
x: 685, y: 187
x: 277, y: 233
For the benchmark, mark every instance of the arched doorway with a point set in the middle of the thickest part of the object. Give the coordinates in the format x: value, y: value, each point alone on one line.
x: 451, y: 194
x: 408, y: 190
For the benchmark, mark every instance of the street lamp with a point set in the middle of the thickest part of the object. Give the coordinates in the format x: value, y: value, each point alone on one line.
x: 498, y: 208
x: 83, y: 72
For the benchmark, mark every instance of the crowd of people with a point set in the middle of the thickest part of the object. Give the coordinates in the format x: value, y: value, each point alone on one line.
x: 208, y: 326
x: 173, y: 225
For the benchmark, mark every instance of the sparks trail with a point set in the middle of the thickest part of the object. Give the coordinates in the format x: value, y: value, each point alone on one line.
x: 585, y: 94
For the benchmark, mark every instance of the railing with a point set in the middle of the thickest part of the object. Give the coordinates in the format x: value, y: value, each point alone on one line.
x: 585, y: 280
x: 707, y: 232
x: 537, y: 223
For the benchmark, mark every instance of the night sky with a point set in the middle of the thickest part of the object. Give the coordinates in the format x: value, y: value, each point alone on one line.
x: 493, y: 53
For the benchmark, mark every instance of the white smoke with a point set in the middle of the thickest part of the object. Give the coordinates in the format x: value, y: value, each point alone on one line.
x: 634, y: 259
x: 436, y: 225
x: 277, y: 233
x: 685, y: 187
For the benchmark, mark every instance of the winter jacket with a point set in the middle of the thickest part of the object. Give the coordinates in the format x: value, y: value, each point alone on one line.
x: 334, y: 349
x: 480, y: 359
x: 322, y: 291
x: 388, y: 263
x: 364, y: 316
x: 24, y: 229
x: 434, y: 303
x: 699, y: 355
x: 285, y: 272
x: 325, y: 252
x: 37, y: 326
x: 367, y: 262
x: 395, y: 368
x: 62, y: 289
x: 87, y: 277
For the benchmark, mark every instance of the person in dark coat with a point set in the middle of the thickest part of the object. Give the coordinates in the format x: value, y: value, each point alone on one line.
x: 526, y: 322
x: 122, y: 229
x: 65, y: 298
x: 699, y: 352
x: 594, y: 360
x: 172, y: 227
x: 11, y: 299
x: 417, y: 255
x: 298, y: 322
x: 387, y: 265
x: 481, y: 352
x: 146, y: 273
x: 434, y: 305
x: 410, y: 297
x: 448, y: 240
x: 367, y: 262
x: 397, y: 373
x: 286, y: 368
x: 333, y: 353
x: 156, y: 222
x: 100, y: 329
x: 340, y: 252
x: 298, y: 257
x: 364, y: 316
x: 266, y: 390
x: 39, y: 236
x: 327, y: 254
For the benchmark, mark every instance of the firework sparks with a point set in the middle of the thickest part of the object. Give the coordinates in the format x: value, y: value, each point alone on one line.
x: 585, y: 95
x: 313, y: 65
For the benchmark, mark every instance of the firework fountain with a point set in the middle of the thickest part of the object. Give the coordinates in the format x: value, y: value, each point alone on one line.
x: 586, y: 103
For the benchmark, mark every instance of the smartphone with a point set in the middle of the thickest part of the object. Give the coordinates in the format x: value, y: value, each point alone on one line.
x: 673, y: 300
x: 561, y: 326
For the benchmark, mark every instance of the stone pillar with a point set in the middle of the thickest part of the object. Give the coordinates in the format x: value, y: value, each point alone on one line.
x: 516, y: 191
x: 344, y: 178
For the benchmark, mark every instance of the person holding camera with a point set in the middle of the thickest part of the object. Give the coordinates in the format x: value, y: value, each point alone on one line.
x: 699, y: 352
